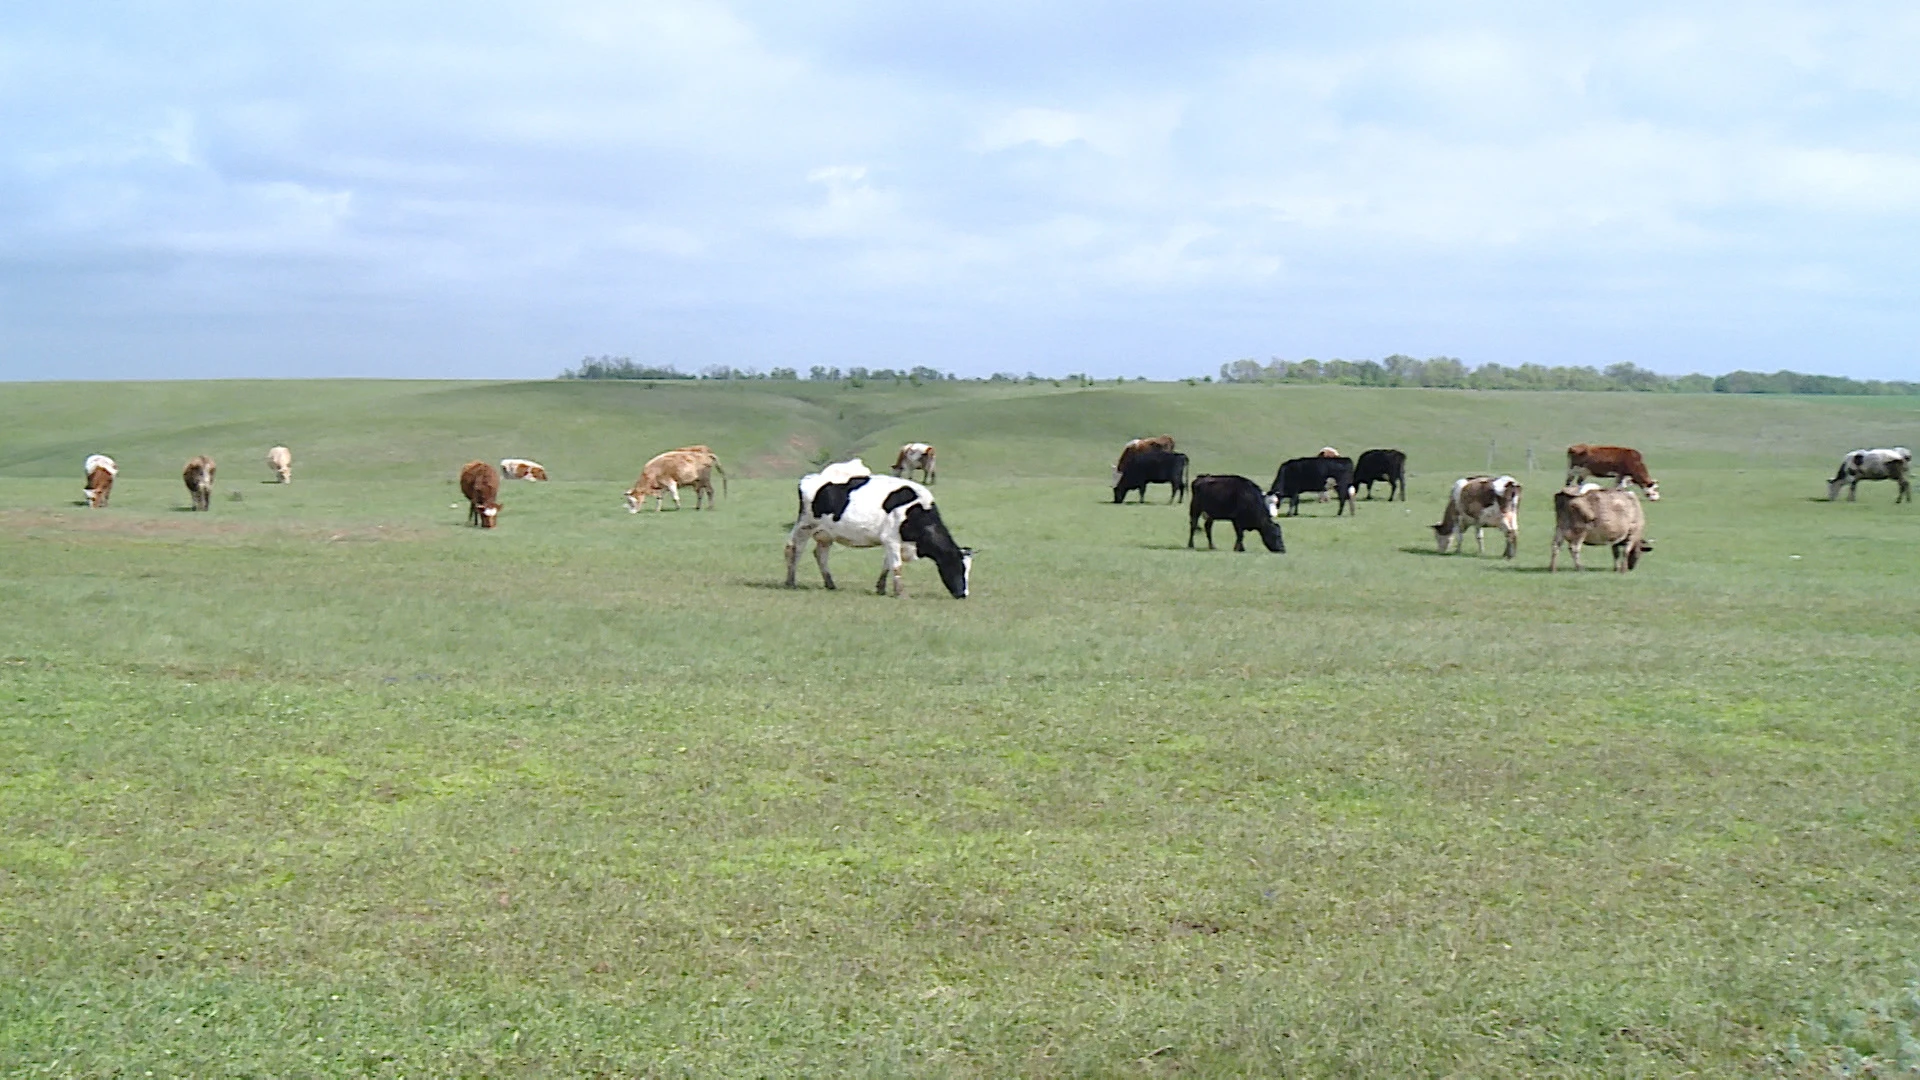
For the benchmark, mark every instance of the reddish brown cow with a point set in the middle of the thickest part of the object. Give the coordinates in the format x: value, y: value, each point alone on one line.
x: 198, y: 476
x: 1621, y: 462
x: 480, y: 483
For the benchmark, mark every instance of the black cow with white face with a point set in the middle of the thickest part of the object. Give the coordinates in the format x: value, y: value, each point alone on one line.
x: 1237, y: 501
x: 846, y: 503
x: 1310, y: 475
x: 1153, y: 467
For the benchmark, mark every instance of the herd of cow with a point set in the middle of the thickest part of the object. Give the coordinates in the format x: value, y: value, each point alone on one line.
x: 845, y: 503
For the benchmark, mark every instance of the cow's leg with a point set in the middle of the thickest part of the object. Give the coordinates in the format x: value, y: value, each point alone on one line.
x: 1193, y: 526
x: 1574, y: 547
x: 1853, y: 487
x: 1906, y: 491
x: 1209, y: 534
x: 892, y: 564
x: 1479, y: 540
x: 1239, y: 537
x: 794, y: 540
x: 1513, y: 542
x: 821, y: 545
x: 1553, y: 558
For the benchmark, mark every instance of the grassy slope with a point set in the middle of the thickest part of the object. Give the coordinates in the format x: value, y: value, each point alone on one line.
x: 323, y: 782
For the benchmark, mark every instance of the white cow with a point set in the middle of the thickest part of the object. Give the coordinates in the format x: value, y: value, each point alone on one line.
x: 1886, y: 464
x: 280, y: 460
x: 846, y: 503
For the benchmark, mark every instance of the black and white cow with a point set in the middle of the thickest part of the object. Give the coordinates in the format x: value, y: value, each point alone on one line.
x: 1886, y: 464
x: 1308, y: 475
x: 1389, y: 466
x: 1153, y: 467
x: 847, y: 504
x: 1237, y: 501
x: 1475, y: 503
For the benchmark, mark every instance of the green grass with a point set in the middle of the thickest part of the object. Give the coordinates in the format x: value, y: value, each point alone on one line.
x: 324, y: 783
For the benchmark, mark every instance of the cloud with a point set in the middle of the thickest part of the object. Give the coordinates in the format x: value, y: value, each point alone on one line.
x: 985, y: 185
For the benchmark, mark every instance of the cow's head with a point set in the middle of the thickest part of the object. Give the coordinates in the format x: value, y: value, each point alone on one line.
x: 956, y: 572
x: 635, y: 500
x: 1443, y: 535
x: 489, y: 515
x: 1653, y: 490
x: 1273, y: 506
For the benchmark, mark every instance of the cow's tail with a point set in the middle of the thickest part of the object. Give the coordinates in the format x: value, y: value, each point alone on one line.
x: 722, y: 472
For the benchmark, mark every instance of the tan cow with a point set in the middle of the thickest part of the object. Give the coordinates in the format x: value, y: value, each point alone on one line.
x: 198, y: 476
x: 666, y: 473
x: 1591, y: 514
x: 280, y: 460
x: 481, y: 485
x: 100, y: 471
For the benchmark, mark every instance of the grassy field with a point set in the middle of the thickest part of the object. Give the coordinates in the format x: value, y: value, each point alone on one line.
x: 324, y: 783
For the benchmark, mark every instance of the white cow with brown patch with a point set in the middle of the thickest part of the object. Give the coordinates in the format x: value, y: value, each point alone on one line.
x: 915, y: 456
x: 519, y: 468
x: 1477, y: 502
x: 100, y: 471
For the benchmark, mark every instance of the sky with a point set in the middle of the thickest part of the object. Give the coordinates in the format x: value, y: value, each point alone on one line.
x: 497, y: 189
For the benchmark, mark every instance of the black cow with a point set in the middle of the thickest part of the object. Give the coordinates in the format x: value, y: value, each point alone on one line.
x: 1382, y: 465
x: 1153, y: 467
x: 1309, y: 475
x: 1237, y: 501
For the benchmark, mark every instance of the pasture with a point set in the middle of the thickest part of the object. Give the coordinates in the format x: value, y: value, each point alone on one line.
x: 325, y: 783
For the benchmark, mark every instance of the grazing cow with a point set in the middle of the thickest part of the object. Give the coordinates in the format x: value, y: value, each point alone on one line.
x: 1480, y: 501
x: 915, y: 455
x: 1153, y: 467
x: 665, y: 473
x: 1886, y: 464
x: 481, y: 485
x: 280, y: 460
x: 1389, y: 466
x: 519, y: 468
x: 846, y: 503
x: 1590, y: 514
x: 1304, y: 476
x: 1238, y: 501
x: 100, y: 471
x: 198, y: 476
x: 1136, y: 447
x: 1621, y: 462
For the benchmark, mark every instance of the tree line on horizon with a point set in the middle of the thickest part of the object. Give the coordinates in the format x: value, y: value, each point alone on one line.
x: 1443, y: 372
x: 1447, y: 372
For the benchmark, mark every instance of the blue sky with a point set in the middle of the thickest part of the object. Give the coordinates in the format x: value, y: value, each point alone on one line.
x: 498, y: 189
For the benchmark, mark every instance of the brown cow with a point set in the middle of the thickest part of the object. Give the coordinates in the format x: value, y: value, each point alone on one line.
x: 1591, y: 514
x: 1621, y: 462
x: 664, y: 475
x: 1477, y: 502
x: 480, y: 483
x: 198, y: 476
x: 100, y: 471
x: 1137, y: 447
